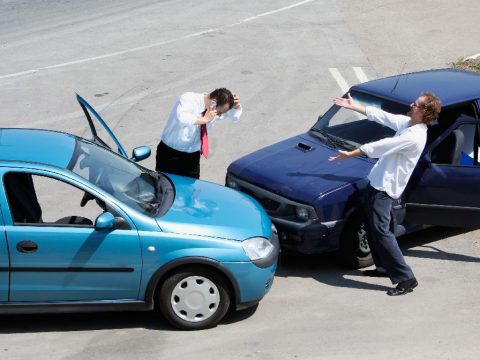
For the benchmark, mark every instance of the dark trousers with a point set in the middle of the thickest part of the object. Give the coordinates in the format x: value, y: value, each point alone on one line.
x: 177, y: 162
x: 383, y: 245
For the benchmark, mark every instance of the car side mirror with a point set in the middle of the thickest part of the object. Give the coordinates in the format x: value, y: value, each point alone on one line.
x: 141, y: 153
x: 105, y: 221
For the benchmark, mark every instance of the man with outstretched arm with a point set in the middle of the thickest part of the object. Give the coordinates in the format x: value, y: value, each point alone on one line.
x: 397, y: 158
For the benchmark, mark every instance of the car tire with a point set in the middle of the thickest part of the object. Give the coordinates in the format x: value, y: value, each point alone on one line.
x: 354, y: 249
x: 194, y: 298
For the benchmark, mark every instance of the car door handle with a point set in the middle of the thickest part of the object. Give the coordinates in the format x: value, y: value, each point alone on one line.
x: 27, y: 246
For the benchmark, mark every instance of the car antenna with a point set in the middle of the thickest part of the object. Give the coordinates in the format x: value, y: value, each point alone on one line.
x: 398, y: 78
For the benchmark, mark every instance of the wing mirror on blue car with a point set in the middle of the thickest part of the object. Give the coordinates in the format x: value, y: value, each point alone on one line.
x: 140, y: 153
x: 105, y: 221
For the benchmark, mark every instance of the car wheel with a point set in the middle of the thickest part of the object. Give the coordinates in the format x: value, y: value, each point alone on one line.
x: 194, y: 298
x: 354, y: 249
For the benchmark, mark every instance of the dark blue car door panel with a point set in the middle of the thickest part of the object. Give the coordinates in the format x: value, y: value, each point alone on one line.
x: 72, y: 263
x: 446, y: 195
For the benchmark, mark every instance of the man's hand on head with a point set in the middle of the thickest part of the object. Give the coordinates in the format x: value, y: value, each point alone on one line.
x: 236, y: 102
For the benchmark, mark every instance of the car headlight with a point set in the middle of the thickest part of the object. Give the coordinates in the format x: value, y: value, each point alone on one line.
x: 302, y: 213
x: 257, y: 248
x: 231, y: 183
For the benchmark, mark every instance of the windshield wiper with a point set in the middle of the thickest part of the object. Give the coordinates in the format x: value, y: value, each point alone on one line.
x: 325, y: 137
x: 341, y: 142
x: 333, y: 140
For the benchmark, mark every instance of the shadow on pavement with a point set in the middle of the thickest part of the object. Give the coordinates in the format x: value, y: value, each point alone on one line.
x: 12, y: 324
x: 411, y: 243
x: 237, y: 316
x: 326, y: 268
x: 151, y: 320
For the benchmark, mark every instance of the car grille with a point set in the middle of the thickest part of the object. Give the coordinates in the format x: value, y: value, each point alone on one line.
x: 268, y: 204
x: 273, y: 204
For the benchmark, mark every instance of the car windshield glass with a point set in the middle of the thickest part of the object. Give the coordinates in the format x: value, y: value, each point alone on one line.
x: 146, y: 191
x: 349, y: 129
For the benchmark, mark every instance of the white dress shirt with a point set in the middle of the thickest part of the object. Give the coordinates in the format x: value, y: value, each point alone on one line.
x: 181, y: 133
x: 397, y: 155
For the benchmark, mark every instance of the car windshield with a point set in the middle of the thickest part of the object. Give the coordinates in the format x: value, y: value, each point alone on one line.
x: 349, y: 129
x: 146, y: 191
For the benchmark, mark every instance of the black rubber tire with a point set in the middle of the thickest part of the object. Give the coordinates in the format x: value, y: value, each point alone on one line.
x: 168, y: 286
x: 354, y: 249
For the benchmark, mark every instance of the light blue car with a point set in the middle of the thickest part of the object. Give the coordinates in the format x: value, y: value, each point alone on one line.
x: 87, y: 229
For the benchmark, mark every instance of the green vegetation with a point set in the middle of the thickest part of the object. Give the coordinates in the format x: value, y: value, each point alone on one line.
x: 470, y: 64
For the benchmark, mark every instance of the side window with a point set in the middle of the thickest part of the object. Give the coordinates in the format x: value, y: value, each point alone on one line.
x: 447, y: 118
x: 35, y: 199
x: 458, y: 148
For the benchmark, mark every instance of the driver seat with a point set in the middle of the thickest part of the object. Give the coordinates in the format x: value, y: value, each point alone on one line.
x: 450, y: 149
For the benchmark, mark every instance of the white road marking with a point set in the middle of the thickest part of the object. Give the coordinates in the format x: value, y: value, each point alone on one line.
x: 339, y: 79
x: 277, y: 10
x: 149, y: 46
x: 360, y: 74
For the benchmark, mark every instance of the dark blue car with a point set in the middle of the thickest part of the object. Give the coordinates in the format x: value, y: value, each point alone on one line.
x: 316, y: 205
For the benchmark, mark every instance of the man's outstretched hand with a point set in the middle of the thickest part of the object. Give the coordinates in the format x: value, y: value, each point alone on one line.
x: 342, y: 155
x: 349, y: 103
x: 346, y: 103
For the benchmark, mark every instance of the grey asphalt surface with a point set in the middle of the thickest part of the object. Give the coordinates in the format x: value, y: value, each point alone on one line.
x: 132, y: 59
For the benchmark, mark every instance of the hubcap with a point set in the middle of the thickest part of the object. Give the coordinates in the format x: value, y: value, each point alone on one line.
x: 195, y: 299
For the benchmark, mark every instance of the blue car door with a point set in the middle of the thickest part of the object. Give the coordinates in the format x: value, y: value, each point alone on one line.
x: 55, y: 252
x: 444, y: 187
x: 110, y: 136
x: 102, y: 135
x: 4, y: 264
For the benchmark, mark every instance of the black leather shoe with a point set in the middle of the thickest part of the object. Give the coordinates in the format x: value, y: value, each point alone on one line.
x: 374, y: 273
x: 403, y: 287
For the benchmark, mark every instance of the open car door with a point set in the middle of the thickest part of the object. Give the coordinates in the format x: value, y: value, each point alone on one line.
x: 89, y: 111
x: 138, y: 154
x: 444, y: 188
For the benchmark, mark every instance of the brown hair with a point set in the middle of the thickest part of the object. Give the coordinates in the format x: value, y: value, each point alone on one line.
x: 222, y: 96
x: 431, y: 106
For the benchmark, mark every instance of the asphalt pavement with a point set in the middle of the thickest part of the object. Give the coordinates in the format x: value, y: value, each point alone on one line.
x: 287, y: 59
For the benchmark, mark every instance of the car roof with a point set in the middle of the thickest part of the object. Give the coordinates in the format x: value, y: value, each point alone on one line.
x: 451, y: 86
x: 36, y: 146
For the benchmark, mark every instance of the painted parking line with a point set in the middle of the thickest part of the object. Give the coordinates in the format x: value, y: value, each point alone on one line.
x: 276, y: 11
x: 157, y: 44
x: 360, y: 74
x: 342, y: 83
x: 339, y: 79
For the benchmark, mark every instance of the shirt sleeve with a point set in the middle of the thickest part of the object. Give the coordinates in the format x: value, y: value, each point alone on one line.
x: 388, y: 146
x: 186, y: 110
x: 393, y: 121
x: 234, y: 114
